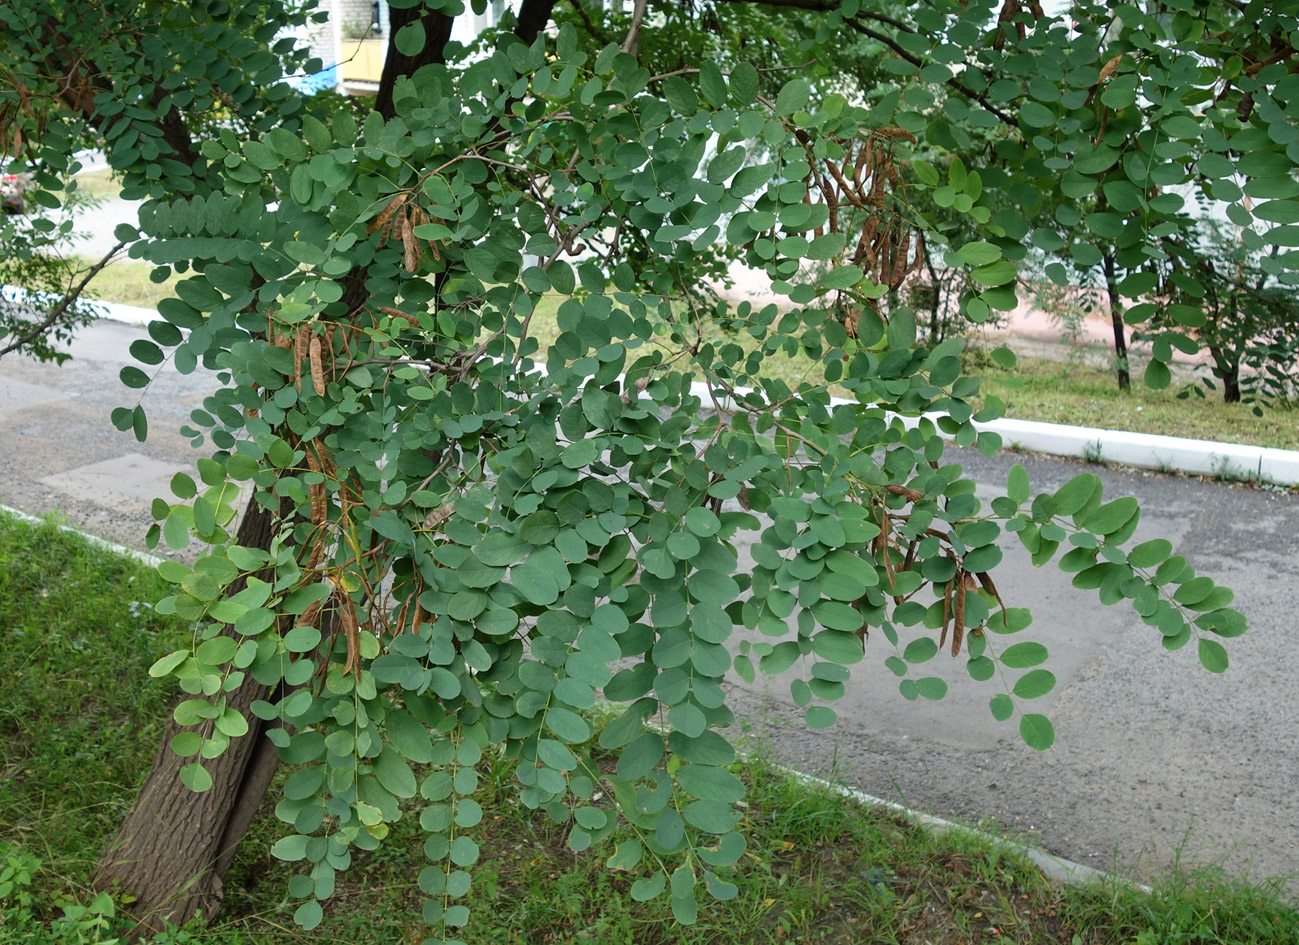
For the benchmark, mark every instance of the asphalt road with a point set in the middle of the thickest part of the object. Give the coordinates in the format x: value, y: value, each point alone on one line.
x: 1152, y: 754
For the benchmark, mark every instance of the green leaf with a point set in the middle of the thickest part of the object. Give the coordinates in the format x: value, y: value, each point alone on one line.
x: 146, y: 351
x: 409, y: 737
x: 931, y: 687
x: 820, y: 716
x: 1111, y: 516
x: 838, y: 647
x: 568, y: 725
x: 710, y: 816
x: 410, y: 39
x: 994, y: 274
x: 707, y: 782
x: 712, y: 83
x: 1034, y: 683
x: 309, y: 914
x: 1036, y: 115
x: 1151, y: 553
x: 920, y: 650
x: 1002, y: 707
x: 1076, y: 493
x: 1037, y: 731
x: 639, y: 758
x: 647, y: 888
x: 167, y: 663
x: 744, y: 84
x: 793, y: 96
x: 394, y: 773
x: 301, y: 639
x: 1024, y: 655
x: 979, y: 254
x: 1017, y: 484
x: 133, y: 377
x: 626, y: 856
x: 1213, y: 655
x: 1158, y: 376
x: 195, y: 777
x: 724, y: 165
x: 535, y: 584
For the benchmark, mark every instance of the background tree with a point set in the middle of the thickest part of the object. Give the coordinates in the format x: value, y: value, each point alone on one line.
x: 456, y: 532
x: 1245, y: 318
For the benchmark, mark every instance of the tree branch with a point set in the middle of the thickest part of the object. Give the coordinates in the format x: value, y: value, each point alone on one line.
x: 826, y: 6
x: 532, y: 19
x: 61, y: 309
x: 632, y: 43
x: 594, y: 30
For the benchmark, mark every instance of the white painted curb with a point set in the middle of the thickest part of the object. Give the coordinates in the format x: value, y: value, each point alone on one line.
x: 113, y: 311
x: 95, y: 540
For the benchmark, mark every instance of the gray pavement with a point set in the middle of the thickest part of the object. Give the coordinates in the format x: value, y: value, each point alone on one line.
x: 1152, y: 752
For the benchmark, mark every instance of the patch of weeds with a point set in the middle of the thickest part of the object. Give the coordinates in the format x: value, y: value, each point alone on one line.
x: 1189, y: 906
x: 80, y: 719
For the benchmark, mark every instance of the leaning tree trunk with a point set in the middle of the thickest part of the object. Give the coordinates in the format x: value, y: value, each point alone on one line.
x: 175, y: 846
x: 1116, y: 321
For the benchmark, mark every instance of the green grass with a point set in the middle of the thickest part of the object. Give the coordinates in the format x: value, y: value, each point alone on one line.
x: 1066, y: 392
x: 98, y: 185
x: 79, y: 719
x: 79, y: 715
x: 128, y: 283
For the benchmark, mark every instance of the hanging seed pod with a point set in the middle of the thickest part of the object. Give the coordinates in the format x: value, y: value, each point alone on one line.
x: 386, y: 213
x: 958, y: 614
x: 317, y: 366
x: 301, y: 342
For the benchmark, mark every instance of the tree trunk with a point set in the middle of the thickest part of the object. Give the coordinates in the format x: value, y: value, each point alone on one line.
x: 175, y: 846
x: 1116, y: 320
x: 1230, y: 376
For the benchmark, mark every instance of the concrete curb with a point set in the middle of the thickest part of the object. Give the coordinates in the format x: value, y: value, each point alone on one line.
x: 1055, y: 868
x: 95, y: 540
x: 112, y: 311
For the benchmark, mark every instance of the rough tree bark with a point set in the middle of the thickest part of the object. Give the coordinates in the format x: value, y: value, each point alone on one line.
x: 175, y: 846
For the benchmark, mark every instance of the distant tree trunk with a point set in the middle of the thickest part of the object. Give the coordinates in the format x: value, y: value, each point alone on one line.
x: 1228, y: 371
x: 175, y: 846
x: 1116, y: 320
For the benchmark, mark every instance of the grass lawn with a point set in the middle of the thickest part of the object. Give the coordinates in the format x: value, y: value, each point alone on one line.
x: 1068, y: 392
x: 79, y: 719
x: 127, y: 282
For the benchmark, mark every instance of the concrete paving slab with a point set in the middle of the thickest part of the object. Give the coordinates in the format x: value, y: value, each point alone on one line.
x: 18, y: 395
x: 132, y: 479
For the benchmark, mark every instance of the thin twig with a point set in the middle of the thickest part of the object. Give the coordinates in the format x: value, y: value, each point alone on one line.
x: 59, y: 310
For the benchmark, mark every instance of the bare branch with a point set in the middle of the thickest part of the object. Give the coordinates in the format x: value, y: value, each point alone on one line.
x: 632, y: 43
